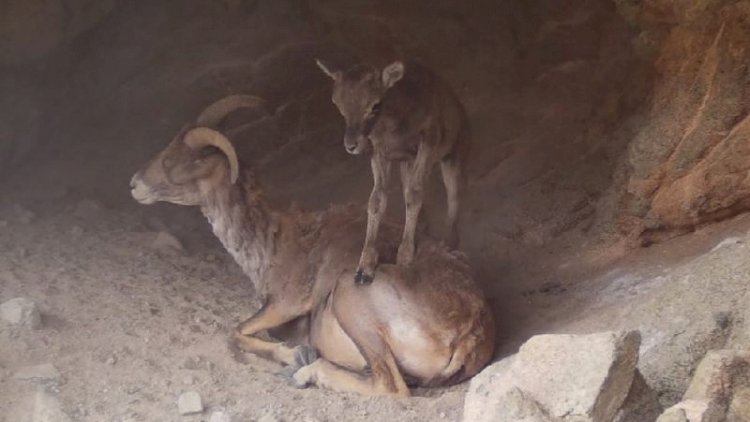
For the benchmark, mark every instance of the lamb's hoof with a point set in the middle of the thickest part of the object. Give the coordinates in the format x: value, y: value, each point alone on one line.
x: 304, y: 355
x: 361, y: 278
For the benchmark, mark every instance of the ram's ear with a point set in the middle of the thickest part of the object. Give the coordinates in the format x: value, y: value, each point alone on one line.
x: 333, y: 74
x: 392, y: 74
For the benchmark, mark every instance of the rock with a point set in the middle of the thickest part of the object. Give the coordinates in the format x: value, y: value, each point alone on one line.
x: 585, y: 376
x: 719, y: 390
x: 219, y: 416
x: 30, y: 29
x: 558, y: 377
x: 693, y: 411
x: 45, y: 371
x: 515, y: 405
x: 681, y: 173
x: 673, y: 415
x: 166, y: 242
x: 189, y: 403
x: 268, y: 417
x: 727, y: 242
x: 641, y: 404
x: 486, y: 394
x: 739, y: 408
x: 717, y: 375
x: 21, y: 311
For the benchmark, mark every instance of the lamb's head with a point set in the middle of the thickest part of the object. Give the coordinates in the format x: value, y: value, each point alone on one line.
x: 358, y: 93
x: 197, y: 161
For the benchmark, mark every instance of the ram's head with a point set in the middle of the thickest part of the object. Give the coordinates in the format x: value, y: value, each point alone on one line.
x: 197, y: 160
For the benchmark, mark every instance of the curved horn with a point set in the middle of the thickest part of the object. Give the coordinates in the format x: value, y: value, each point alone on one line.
x: 203, y: 137
x: 212, y: 115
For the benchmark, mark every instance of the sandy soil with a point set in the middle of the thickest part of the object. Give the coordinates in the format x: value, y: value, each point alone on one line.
x: 131, y: 325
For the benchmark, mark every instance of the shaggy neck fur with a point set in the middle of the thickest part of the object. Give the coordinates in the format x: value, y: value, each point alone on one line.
x: 245, y: 226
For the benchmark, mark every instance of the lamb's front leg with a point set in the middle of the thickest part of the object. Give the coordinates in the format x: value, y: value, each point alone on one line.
x: 272, y: 314
x: 381, y: 169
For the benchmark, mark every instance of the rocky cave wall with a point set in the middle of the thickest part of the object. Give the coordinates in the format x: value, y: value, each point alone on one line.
x: 30, y: 32
x: 592, y: 120
x: 689, y: 160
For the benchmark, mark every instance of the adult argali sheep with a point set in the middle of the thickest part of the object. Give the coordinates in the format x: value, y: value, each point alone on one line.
x: 425, y: 325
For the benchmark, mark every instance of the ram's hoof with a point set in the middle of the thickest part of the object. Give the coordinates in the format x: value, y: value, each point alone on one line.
x: 304, y: 355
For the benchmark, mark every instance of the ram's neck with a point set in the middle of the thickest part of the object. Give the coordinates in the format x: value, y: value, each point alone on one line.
x: 245, y: 226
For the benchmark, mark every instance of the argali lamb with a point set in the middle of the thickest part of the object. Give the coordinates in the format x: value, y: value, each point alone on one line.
x: 404, y: 113
x: 424, y: 325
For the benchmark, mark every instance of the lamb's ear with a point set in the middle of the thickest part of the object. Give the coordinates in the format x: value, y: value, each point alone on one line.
x: 333, y: 74
x: 392, y: 74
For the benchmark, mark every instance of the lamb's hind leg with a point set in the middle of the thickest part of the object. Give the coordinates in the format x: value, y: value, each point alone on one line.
x: 413, y: 197
x: 272, y: 314
x: 452, y: 179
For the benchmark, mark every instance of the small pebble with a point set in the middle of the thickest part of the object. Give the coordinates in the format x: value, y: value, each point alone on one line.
x: 21, y: 311
x: 219, y: 416
x: 189, y: 403
x: 268, y: 417
x: 166, y: 242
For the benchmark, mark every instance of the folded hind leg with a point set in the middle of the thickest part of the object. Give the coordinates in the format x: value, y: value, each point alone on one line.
x: 356, y: 317
x: 384, y: 380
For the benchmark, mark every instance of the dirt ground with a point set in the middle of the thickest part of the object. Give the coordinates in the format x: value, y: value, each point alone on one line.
x: 131, y: 325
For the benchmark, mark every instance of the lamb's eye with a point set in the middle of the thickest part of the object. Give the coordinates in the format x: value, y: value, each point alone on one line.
x: 374, y: 110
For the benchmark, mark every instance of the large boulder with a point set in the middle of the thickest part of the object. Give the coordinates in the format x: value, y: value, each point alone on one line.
x: 557, y: 378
